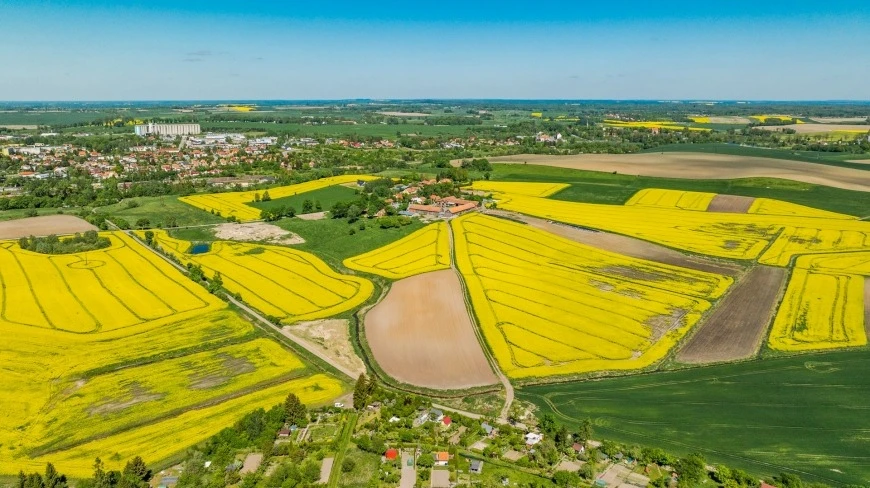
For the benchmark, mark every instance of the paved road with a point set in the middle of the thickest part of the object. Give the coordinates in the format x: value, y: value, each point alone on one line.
x: 508, y: 387
x: 265, y: 323
x: 409, y: 473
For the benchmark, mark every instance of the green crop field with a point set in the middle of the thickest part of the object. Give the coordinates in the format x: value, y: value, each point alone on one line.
x: 158, y: 209
x: 616, y: 189
x: 339, y: 130
x: 331, y: 240
x: 327, y: 197
x: 804, y: 413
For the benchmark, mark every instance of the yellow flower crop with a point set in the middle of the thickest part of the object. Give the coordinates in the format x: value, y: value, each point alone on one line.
x: 282, y: 282
x: 666, y: 124
x: 686, y: 200
x: 764, y: 118
x: 427, y: 249
x: 700, y: 120
x: 527, y: 189
x: 236, y: 203
x: 820, y: 311
x: 117, y: 345
x: 767, y: 206
x: 550, y: 306
x: 160, y: 440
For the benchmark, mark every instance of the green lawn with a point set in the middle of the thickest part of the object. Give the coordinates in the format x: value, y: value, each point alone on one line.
x: 804, y: 413
x: 331, y: 239
x: 599, y: 187
x: 327, y: 197
x: 365, y: 469
x: 194, y: 234
x: 158, y: 209
x: 23, y: 212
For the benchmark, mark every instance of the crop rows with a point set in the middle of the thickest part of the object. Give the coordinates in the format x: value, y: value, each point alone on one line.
x: 105, y: 346
x: 427, y: 249
x: 278, y: 281
x: 550, y: 306
x: 235, y: 204
x: 686, y: 200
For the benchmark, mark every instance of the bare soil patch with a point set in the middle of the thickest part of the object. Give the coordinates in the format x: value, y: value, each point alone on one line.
x: 256, y: 231
x: 628, y: 246
x: 313, y: 216
x: 333, y: 339
x: 19, y: 127
x: 138, y: 394
x: 252, y: 463
x: 816, y: 128
x: 43, y: 226
x: 735, y: 329
x: 701, y: 166
x: 730, y: 204
x: 729, y: 119
x: 838, y: 120
x: 421, y: 334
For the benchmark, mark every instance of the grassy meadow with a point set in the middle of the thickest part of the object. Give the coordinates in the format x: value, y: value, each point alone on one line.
x: 803, y: 413
x: 327, y: 197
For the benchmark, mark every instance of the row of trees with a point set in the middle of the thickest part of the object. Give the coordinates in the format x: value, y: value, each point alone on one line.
x: 52, y: 244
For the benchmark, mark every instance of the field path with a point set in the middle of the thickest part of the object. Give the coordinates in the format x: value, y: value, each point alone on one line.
x: 508, y: 387
x: 702, y: 166
x: 262, y: 322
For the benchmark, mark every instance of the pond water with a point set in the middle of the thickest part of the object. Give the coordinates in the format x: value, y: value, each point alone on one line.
x: 200, y: 248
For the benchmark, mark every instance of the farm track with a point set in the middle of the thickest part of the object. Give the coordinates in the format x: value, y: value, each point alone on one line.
x: 736, y: 328
x: 263, y: 323
x: 628, y: 246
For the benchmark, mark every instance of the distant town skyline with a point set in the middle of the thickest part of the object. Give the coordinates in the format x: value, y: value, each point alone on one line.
x: 160, y: 50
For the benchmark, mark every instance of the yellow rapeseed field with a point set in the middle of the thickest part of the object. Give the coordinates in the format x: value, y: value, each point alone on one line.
x: 285, y: 283
x: 700, y: 120
x: 170, y: 436
x: 427, y: 249
x: 122, y: 342
x: 236, y: 203
x: 651, y: 124
x: 550, y: 306
x: 728, y: 235
x: 765, y: 118
x: 528, y: 189
x: 686, y: 200
x: 820, y: 311
x: 767, y: 206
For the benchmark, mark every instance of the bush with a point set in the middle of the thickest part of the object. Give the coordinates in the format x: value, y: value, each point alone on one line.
x: 348, y: 465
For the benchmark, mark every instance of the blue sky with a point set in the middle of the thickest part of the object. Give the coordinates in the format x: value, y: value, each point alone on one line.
x: 183, y: 49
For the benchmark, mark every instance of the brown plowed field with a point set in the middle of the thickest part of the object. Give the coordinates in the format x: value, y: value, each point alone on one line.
x: 421, y: 334
x: 628, y: 246
x: 701, y: 166
x: 43, y: 226
x: 735, y: 329
x: 730, y: 204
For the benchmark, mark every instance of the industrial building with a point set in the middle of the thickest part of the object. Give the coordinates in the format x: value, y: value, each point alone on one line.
x: 167, y: 129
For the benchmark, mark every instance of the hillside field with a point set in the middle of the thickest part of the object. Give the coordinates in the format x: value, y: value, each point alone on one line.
x: 804, y: 413
x: 109, y: 353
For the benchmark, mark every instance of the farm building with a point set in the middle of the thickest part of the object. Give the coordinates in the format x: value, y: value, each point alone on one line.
x: 476, y: 466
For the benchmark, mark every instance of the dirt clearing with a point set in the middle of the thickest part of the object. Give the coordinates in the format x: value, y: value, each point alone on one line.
x: 256, y: 231
x: 628, y: 246
x: 730, y: 204
x: 421, y: 334
x: 313, y: 216
x: 839, y: 120
x: 333, y: 339
x: 43, y: 226
x: 702, y: 165
x: 735, y: 329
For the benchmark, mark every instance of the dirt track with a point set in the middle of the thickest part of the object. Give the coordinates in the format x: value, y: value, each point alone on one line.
x: 730, y: 204
x: 420, y: 334
x: 43, y: 226
x: 735, y: 329
x: 628, y: 246
x: 702, y: 165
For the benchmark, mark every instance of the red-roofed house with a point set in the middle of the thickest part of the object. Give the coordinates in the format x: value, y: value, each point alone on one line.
x: 447, y: 421
x: 442, y: 458
x: 391, y: 454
